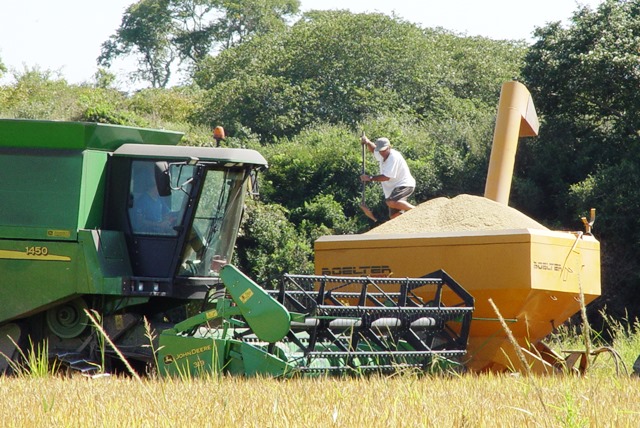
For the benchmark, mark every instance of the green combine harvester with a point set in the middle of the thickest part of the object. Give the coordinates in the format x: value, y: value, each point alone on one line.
x: 126, y: 224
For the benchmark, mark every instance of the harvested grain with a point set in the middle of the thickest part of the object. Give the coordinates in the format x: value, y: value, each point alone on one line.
x: 464, y: 212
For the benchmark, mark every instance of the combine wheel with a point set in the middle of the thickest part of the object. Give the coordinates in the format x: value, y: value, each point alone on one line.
x: 69, y: 319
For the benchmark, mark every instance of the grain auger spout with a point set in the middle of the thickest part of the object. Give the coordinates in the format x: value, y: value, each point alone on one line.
x: 323, y: 324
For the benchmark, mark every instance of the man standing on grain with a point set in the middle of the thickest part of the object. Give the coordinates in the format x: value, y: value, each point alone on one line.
x: 396, y: 179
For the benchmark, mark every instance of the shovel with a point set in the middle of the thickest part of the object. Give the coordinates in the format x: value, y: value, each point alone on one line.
x: 363, y: 204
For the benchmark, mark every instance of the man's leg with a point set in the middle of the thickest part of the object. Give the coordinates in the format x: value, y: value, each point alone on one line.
x: 393, y: 213
x: 400, y: 205
x: 397, y: 201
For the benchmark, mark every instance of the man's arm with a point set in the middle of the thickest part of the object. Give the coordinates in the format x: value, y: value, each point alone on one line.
x: 365, y: 141
x: 379, y: 177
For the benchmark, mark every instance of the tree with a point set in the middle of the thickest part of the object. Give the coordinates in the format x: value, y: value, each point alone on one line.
x: 161, y: 32
x: 193, y: 33
x: 243, y: 19
x: 206, y: 26
x: 145, y: 31
x: 584, y: 80
x: 340, y: 67
x: 103, y: 78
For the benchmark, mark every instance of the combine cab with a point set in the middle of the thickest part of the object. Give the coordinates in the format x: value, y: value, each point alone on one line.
x: 126, y: 224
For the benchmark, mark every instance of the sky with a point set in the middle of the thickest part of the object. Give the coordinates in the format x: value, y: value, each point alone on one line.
x: 65, y: 36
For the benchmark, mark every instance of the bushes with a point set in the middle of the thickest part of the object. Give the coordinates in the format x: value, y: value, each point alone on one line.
x: 39, y: 94
x: 169, y: 105
x: 269, y: 245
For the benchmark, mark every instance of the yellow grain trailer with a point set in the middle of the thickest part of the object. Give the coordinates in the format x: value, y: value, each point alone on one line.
x: 533, y: 277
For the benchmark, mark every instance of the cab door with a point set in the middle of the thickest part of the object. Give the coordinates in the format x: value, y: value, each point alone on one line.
x: 153, y: 215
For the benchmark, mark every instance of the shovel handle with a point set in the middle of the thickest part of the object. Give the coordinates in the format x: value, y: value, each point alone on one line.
x: 363, y: 205
x: 364, y: 184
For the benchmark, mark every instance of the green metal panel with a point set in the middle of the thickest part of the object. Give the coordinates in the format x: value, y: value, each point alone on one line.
x: 268, y: 319
x: 92, y: 189
x: 46, y: 272
x: 39, y: 193
x: 41, y: 134
x: 52, y: 174
x: 106, y: 261
x: 258, y: 362
x: 40, y: 274
x: 78, y: 135
x: 189, y: 356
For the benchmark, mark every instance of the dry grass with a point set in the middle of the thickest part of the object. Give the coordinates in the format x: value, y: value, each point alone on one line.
x: 401, y: 401
x: 599, y: 399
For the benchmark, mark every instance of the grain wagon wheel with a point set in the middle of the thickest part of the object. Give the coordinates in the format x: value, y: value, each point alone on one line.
x: 584, y: 360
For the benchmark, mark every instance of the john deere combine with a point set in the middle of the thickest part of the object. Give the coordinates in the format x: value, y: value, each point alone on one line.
x: 124, y: 223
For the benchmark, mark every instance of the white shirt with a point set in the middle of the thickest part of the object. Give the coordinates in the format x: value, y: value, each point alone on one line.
x: 396, y: 169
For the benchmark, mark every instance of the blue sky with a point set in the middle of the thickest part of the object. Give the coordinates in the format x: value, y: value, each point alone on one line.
x: 65, y: 35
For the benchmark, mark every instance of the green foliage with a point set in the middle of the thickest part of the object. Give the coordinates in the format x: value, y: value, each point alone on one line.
x: 268, y: 100
x: 38, y: 94
x: 159, y: 32
x: 323, y: 215
x: 615, y: 191
x: 4, y: 95
x: 338, y: 67
x: 105, y: 114
x: 34, y: 362
x: 322, y: 160
x: 241, y: 19
x: 170, y: 105
x: 584, y: 78
x: 144, y: 31
x: 104, y: 79
x: 107, y: 106
x: 269, y: 245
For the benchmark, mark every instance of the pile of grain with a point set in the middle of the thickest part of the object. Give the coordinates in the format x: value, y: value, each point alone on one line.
x: 464, y: 212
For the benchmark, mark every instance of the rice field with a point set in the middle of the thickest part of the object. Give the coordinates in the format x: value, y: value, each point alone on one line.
x: 487, y: 400
x: 602, y: 397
